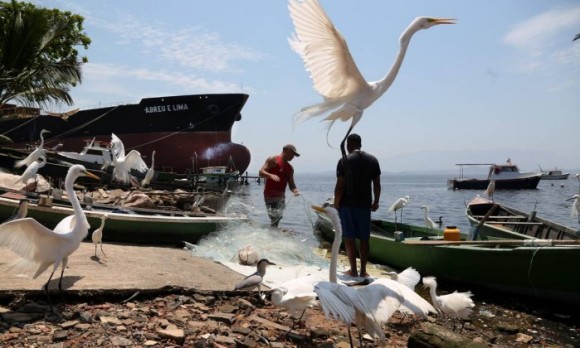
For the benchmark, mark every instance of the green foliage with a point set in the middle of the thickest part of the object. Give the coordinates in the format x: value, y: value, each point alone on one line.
x: 39, y: 60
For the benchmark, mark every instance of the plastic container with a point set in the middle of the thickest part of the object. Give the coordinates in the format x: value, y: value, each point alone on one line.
x: 451, y: 233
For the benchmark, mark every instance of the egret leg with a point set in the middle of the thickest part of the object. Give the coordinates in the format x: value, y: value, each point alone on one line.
x: 46, y: 291
x: 102, y: 248
x: 349, y: 335
x: 64, y: 262
x: 95, y: 250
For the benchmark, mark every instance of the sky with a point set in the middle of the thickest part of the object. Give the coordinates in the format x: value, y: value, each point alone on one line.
x: 503, y: 82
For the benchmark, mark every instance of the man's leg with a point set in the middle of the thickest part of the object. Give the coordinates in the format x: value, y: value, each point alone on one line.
x: 364, y: 256
x: 350, y: 246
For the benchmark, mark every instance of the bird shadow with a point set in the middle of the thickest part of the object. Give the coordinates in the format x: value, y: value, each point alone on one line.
x: 98, y: 260
x: 67, y: 282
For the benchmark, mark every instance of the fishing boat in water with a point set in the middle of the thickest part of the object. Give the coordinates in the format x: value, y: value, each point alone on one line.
x: 506, y: 176
x: 535, y: 268
x: 126, y: 225
x: 496, y: 220
x: 554, y: 174
x: 181, y: 129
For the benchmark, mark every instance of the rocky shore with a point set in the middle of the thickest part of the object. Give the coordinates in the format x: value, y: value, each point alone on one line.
x: 176, y: 317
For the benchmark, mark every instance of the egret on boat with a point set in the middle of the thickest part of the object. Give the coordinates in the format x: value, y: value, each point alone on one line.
x: 575, y: 206
x: 428, y: 221
x: 31, y: 171
x: 254, y: 280
x: 149, y: 176
x: 456, y: 305
x: 34, y: 155
x: 336, y: 77
x: 399, y: 205
x: 97, y: 236
x: 44, y: 247
x: 124, y: 163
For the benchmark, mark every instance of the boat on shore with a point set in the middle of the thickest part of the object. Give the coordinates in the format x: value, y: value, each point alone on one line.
x: 496, y: 220
x: 506, y: 176
x: 181, y: 129
x: 124, y: 225
x: 533, y: 268
x: 554, y: 174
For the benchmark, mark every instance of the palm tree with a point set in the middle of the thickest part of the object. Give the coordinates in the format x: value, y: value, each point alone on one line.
x: 38, y: 63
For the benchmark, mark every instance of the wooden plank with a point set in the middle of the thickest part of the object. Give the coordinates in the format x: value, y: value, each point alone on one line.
x: 522, y: 242
x: 527, y: 223
x: 103, y: 193
x: 518, y: 217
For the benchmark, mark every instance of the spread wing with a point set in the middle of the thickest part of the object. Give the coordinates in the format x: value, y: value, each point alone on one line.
x: 117, y: 146
x: 28, y: 238
x: 324, y: 51
x: 134, y: 161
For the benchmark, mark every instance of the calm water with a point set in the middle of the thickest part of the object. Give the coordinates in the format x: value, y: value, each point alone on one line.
x: 549, y: 200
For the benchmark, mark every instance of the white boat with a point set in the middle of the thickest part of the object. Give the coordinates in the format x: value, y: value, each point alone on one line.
x: 217, y: 175
x: 506, y: 176
x: 94, y: 153
x: 554, y: 174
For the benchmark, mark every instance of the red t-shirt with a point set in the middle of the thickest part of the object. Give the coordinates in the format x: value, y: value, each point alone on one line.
x: 283, y: 170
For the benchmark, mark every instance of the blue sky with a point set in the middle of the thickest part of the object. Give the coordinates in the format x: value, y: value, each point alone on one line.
x: 503, y: 82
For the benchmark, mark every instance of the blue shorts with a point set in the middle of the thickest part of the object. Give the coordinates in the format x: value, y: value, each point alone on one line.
x: 356, y: 222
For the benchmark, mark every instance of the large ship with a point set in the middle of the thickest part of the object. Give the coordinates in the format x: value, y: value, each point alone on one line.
x: 186, y: 132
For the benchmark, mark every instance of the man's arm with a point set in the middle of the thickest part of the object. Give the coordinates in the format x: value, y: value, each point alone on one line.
x: 338, y: 191
x: 270, y: 163
x: 292, y: 185
x: 376, y: 193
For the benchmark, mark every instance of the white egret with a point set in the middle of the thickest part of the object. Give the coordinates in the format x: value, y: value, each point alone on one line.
x: 336, y: 77
x: 296, y: 295
x: 409, y: 277
x: 254, y: 280
x: 124, y: 163
x: 456, y: 305
x: 575, y: 206
x: 97, y: 236
x: 428, y: 221
x: 370, y: 306
x: 31, y: 171
x: 399, y: 205
x: 34, y: 155
x: 149, y: 176
x: 39, y: 245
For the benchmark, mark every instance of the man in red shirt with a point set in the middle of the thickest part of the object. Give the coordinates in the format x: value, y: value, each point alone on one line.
x: 279, y: 173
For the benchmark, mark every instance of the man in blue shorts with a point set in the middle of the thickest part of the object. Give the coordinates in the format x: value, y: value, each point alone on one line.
x: 355, y: 196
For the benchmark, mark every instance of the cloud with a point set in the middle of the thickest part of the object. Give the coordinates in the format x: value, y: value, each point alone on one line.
x: 550, y: 26
x: 190, y: 47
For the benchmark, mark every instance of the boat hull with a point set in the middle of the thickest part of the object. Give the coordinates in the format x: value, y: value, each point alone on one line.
x: 187, y: 132
x: 519, y: 270
x: 153, y: 229
x: 509, y: 184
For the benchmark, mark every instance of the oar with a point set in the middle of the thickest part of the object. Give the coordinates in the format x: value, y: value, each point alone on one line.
x: 475, y: 233
x: 524, y: 242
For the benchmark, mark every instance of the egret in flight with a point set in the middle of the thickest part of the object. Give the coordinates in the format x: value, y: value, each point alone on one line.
x: 124, y: 163
x: 336, y: 77
x: 34, y: 155
x: 39, y: 245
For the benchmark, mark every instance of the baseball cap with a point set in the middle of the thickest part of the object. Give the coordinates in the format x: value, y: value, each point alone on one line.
x: 293, y: 148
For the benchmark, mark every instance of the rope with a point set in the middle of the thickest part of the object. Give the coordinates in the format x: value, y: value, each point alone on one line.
x: 23, y: 124
x: 530, y: 271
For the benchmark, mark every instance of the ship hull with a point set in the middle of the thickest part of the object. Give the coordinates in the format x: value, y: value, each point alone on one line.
x: 186, y: 132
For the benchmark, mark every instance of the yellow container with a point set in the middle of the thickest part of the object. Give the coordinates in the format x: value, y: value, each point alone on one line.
x: 451, y: 233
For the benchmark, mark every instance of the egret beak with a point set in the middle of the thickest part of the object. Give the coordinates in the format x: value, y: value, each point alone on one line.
x: 443, y: 20
x: 318, y: 208
x: 92, y: 176
x: 571, y: 199
x: 271, y: 263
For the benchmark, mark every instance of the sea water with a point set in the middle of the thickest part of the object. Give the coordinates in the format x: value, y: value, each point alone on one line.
x: 295, y: 239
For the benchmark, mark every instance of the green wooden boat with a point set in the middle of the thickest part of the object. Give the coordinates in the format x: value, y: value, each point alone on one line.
x: 496, y: 220
x: 532, y: 268
x: 137, y: 226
